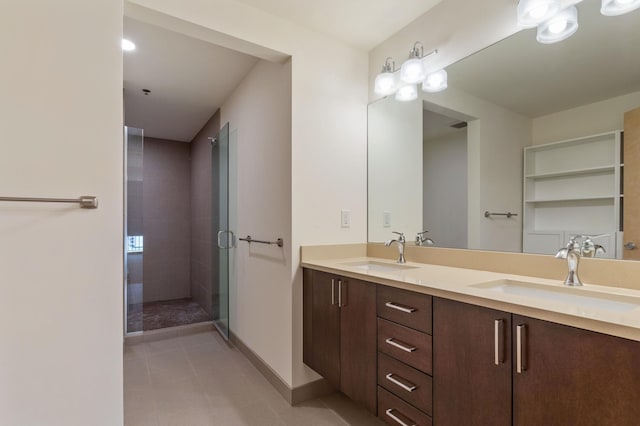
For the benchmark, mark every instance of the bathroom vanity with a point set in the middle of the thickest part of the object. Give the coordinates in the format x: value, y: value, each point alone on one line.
x: 426, y: 344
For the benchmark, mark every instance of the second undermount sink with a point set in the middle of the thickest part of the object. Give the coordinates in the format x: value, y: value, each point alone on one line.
x: 369, y: 265
x: 575, y: 296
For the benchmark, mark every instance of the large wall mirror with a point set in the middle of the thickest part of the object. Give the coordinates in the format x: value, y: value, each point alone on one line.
x: 524, y: 128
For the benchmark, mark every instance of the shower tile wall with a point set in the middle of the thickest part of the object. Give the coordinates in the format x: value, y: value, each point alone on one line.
x: 204, y: 260
x: 167, y: 220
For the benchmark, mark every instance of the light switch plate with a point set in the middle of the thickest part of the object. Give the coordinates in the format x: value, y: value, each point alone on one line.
x: 386, y: 219
x: 345, y: 218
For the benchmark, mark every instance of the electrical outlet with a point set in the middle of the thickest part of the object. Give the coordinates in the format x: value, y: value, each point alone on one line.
x: 386, y: 219
x: 345, y: 218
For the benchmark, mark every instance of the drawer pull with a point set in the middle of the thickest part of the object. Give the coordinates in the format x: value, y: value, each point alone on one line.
x: 406, y: 310
x: 397, y: 419
x: 409, y: 388
x: 521, y: 348
x: 497, y: 340
x: 391, y: 342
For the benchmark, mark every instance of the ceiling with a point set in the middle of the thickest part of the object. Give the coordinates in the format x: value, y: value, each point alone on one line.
x: 435, y: 125
x: 189, y: 79
x: 598, y: 62
x: 360, y: 23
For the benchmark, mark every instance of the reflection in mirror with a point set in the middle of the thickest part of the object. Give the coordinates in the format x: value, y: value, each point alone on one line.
x: 514, y: 95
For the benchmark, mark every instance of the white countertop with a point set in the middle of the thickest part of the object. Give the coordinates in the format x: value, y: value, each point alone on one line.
x: 462, y: 285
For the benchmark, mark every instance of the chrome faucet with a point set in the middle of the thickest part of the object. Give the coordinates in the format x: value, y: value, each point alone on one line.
x: 589, y: 248
x: 572, y: 253
x: 400, y: 241
x: 422, y: 240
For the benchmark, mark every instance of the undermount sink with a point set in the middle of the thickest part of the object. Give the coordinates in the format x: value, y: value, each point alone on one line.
x: 369, y: 265
x: 576, y: 296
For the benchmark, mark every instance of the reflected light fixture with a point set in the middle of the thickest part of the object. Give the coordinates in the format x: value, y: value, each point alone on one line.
x: 128, y: 45
x: 533, y: 12
x: 412, y: 73
x: 386, y: 83
x: 407, y: 92
x: 435, y: 82
x: 618, y: 7
x: 412, y: 70
x: 560, y: 27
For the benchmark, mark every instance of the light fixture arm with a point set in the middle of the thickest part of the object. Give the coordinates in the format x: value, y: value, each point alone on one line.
x: 389, y: 67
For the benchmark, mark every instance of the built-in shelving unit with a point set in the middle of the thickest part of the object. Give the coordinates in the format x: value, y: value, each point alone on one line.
x: 572, y: 187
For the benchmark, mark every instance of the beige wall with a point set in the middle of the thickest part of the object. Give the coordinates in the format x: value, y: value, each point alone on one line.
x: 259, y: 113
x: 61, y: 273
x: 592, y: 119
x: 394, y: 168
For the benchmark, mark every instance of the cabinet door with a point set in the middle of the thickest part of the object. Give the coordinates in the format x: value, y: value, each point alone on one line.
x: 358, y: 342
x: 571, y: 376
x: 322, y: 325
x: 472, y: 365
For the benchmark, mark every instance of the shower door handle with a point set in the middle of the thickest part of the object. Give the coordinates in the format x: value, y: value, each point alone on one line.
x: 232, y: 240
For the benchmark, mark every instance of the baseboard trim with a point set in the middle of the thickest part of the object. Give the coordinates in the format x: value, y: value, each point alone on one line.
x: 293, y: 396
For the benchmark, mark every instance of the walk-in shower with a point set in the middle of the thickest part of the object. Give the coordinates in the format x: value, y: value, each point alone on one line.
x: 157, y: 239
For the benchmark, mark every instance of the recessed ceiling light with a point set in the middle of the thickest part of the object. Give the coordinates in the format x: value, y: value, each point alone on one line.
x: 128, y: 45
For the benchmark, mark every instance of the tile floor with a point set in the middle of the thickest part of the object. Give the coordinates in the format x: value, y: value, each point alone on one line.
x: 198, y: 379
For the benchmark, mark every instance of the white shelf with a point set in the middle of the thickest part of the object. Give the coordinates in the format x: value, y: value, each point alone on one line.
x: 571, y: 186
x: 586, y: 171
x: 560, y: 200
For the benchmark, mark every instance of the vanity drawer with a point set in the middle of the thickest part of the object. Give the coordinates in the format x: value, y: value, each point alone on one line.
x: 405, y: 382
x: 405, y: 307
x: 405, y: 344
x: 395, y: 411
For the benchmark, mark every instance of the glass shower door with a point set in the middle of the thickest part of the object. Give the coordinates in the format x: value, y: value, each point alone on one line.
x: 225, y: 239
x: 133, y: 238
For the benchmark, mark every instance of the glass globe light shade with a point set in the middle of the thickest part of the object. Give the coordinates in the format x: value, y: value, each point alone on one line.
x: 412, y: 71
x: 406, y: 93
x: 618, y: 7
x: 560, y: 27
x: 385, y: 84
x: 533, y: 12
x: 435, y: 82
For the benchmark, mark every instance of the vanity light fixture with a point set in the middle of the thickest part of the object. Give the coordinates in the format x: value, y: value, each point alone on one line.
x: 559, y: 27
x: 412, y: 73
x: 534, y: 12
x: 435, y: 82
x: 386, y: 81
x: 618, y: 7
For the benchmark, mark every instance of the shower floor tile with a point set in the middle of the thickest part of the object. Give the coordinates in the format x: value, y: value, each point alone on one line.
x: 163, y: 314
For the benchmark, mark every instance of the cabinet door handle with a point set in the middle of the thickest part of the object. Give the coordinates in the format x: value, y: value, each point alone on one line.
x: 409, y: 388
x: 407, y: 310
x: 397, y: 419
x: 391, y: 342
x: 498, y: 339
x: 340, y: 305
x: 333, y: 291
x: 521, y: 342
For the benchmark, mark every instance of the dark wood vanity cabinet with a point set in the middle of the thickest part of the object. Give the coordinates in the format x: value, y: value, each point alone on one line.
x: 472, y: 365
x: 495, y: 368
x: 571, y: 376
x: 339, y: 342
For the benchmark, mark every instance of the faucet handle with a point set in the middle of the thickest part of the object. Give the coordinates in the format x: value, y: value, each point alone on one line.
x: 400, y: 234
x: 423, y: 232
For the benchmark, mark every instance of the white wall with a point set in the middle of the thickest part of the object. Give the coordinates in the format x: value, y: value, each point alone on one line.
x: 259, y: 111
x: 61, y: 279
x: 394, y: 162
x: 328, y: 144
x: 591, y: 119
x: 445, y: 178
